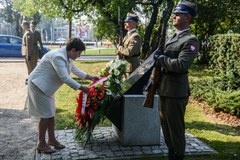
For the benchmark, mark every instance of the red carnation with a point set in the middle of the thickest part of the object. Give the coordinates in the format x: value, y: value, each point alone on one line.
x: 100, y: 95
x: 95, y: 105
x: 92, y: 93
x: 90, y: 113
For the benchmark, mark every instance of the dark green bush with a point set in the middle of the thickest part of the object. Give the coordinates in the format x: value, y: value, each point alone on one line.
x: 224, y: 51
x: 207, y: 90
x: 222, y: 92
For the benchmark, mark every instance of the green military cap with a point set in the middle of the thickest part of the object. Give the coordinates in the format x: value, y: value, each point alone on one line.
x: 186, y: 7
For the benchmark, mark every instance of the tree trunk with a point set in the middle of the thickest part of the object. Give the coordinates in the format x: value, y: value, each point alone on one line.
x: 70, y: 29
x: 148, y: 32
x: 157, y: 35
x: 18, y: 26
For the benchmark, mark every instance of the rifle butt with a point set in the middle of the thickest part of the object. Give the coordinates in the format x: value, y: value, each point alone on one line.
x: 148, y: 101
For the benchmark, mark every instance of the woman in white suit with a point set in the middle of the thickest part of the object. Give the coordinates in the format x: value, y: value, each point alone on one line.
x: 53, y: 70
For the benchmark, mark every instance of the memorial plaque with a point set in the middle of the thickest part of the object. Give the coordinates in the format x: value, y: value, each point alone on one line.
x: 134, y: 85
x: 139, y: 78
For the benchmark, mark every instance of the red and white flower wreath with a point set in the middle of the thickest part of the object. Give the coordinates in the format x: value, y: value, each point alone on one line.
x: 94, y: 105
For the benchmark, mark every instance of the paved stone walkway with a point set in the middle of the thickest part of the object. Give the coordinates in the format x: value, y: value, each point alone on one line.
x: 104, y: 145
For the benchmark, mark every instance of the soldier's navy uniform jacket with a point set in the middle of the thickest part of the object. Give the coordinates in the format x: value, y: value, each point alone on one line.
x: 180, y: 51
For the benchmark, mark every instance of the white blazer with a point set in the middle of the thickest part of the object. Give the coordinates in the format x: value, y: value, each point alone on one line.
x: 53, y: 70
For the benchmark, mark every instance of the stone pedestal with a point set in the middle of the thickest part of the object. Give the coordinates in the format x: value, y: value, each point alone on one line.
x: 139, y: 125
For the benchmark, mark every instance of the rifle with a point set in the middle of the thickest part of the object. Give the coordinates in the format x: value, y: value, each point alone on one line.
x: 148, y: 102
x: 120, y: 36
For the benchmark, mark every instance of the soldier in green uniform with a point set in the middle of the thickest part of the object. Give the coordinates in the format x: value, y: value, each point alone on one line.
x: 180, y: 52
x: 36, y: 39
x: 130, y: 50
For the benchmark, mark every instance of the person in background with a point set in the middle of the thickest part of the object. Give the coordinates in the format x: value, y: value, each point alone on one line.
x: 36, y: 39
x: 180, y: 52
x: 130, y: 50
x: 26, y: 45
x: 53, y: 70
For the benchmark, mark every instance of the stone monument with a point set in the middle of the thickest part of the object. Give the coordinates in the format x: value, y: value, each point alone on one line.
x: 134, y: 124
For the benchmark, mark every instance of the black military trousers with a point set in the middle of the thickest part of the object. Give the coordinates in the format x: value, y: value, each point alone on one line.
x: 172, y: 112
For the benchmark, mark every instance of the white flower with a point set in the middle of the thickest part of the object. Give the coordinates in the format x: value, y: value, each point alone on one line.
x: 114, y: 66
x: 123, y: 62
x: 118, y: 63
x: 110, y: 71
x: 117, y: 81
x: 116, y: 72
x: 109, y: 63
x: 107, y: 84
x: 108, y: 92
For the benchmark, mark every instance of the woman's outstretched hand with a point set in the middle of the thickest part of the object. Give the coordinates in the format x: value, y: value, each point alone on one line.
x: 93, y: 78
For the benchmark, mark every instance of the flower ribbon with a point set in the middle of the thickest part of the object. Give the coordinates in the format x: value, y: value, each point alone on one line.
x: 82, y: 99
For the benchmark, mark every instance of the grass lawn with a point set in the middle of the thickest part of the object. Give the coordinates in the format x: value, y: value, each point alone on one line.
x: 100, y: 51
x: 92, y: 51
x: 224, y: 138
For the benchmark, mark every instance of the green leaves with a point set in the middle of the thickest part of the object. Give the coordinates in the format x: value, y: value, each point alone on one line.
x: 225, y: 60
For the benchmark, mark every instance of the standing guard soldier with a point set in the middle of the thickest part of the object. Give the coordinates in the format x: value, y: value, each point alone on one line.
x: 180, y: 52
x: 36, y: 39
x: 26, y: 46
x: 130, y: 51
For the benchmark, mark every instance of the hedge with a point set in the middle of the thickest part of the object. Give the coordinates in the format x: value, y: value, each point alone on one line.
x: 224, y: 50
x: 219, y: 100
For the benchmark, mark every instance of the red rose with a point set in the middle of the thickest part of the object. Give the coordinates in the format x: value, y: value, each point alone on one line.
x: 92, y: 93
x: 90, y: 113
x: 100, y: 95
x: 95, y: 105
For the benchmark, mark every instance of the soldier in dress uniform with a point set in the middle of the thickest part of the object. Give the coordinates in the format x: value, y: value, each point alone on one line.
x: 130, y: 50
x: 34, y: 49
x: 36, y: 38
x: 180, y: 52
x: 27, y: 45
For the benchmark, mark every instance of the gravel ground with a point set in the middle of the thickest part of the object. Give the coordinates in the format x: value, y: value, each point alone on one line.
x: 18, y: 131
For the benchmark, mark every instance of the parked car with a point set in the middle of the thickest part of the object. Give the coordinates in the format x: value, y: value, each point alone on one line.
x: 10, y: 46
x: 60, y: 40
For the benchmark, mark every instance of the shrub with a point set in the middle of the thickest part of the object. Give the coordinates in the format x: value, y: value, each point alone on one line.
x: 224, y: 51
x: 207, y: 90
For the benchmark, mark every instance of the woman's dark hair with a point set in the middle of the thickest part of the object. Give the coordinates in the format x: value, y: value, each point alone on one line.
x: 76, y: 43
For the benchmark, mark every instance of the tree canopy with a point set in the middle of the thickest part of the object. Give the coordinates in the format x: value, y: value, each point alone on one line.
x: 214, y: 16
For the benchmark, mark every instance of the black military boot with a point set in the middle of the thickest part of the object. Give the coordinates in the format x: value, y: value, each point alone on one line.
x: 178, y: 157
x: 171, y: 154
